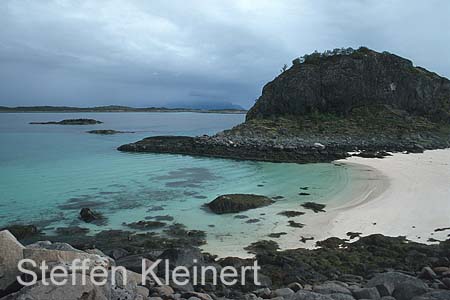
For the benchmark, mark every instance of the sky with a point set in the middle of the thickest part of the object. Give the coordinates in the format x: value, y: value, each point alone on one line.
x: 172, y: 52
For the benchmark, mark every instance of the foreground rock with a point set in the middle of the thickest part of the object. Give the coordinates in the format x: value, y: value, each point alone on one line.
x: 10, y: 255
x: 328, y: 105
x: 352, y: 272
x: 234, y: 203
x: 70, y: 122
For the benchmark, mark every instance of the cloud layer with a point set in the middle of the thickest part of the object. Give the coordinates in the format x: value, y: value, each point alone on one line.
x: 145, y: 53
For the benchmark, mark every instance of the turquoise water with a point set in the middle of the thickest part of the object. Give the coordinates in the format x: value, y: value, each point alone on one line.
x: 49, y: 172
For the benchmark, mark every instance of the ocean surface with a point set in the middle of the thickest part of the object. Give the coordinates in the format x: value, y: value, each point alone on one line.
x: 49, y: 172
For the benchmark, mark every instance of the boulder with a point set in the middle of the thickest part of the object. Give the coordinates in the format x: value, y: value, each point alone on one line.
x: 307, y: 295
x: 295, y: 286
x: 427, y: 273
x: 163, y: 291
x: 118, y: 253
x: 234, y: 203
x: 63, y: 258
x: 341, y: 297
x: 387, y: 282
x: 132, y: 287
x: 331, y: 288
x: 11, y: 252
x: 133, y: 262
x: 283, y: 292
x: 434, y: 295
x: 40, y: 291
x: 200, y: 296
x: 366, y: 293
x: 182, y: 256
x: 408, y: 290
x: 52, y: 246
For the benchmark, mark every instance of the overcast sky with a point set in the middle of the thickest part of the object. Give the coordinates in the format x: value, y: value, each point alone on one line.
x: 145, y: 53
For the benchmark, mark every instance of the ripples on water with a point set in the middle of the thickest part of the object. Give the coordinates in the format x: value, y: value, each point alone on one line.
x: 49, y: 172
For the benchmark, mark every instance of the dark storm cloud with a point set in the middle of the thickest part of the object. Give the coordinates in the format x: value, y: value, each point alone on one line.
x: 145, y: 53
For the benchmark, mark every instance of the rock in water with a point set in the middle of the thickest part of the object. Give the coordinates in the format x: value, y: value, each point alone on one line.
x: 234, y: 203
x: 89, y: 216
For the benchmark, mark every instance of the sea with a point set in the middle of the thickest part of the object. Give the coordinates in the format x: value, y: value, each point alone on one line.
x: 49, y: 172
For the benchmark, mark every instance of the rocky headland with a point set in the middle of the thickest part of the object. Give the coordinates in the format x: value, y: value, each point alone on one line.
x: 329, y: 104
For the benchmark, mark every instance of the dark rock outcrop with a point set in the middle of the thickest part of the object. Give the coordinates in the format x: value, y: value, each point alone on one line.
x: 70, y: 122
x: 234, y: 203
x: 337, y: 84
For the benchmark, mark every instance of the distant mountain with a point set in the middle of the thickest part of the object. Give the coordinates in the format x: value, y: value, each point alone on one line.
x: 205, y: 105
x: 117, y: 108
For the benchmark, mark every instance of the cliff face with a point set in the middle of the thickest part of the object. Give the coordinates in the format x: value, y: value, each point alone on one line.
x: 338, y: 84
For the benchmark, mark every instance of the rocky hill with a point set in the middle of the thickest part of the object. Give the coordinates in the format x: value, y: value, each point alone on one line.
x: 327, y: 105
x: 340, y: 81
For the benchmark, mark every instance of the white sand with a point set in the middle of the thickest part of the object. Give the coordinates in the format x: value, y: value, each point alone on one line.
x: 404, y: 195
x: 401, y: 195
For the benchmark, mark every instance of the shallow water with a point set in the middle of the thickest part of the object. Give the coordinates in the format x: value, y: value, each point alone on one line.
x: 49, y: 172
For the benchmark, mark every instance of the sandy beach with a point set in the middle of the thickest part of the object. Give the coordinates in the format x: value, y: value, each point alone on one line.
x: 401, y: 195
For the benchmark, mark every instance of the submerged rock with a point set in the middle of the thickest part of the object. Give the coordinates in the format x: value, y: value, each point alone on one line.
x: 291, y: 213
x: 70, y: 122
x: 234, y: 203
x: 145, y: 225
x: 296, y: 224
x: 316, y: 207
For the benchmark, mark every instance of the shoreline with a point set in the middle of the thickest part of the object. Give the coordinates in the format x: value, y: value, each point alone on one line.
x: 399, y: 195
x: 408, y: 196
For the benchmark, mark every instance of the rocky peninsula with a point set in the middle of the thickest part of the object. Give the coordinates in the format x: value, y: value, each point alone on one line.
x: 326, y: 105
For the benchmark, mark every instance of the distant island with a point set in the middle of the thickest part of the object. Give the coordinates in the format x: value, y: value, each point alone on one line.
x: 114, y: 108
x: 69, y: 122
